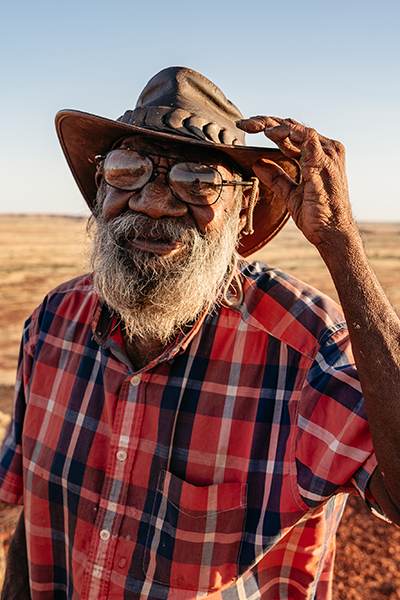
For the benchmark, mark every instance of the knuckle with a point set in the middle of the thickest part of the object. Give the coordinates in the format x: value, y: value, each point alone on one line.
x: 339, y: 147
x: 258, y: 118
x: 312, y: 133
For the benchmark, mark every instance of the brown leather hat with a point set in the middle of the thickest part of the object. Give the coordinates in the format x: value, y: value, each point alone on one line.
x: 180, y: 105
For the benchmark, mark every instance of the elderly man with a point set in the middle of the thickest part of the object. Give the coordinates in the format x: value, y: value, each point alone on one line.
x: 188, y: 423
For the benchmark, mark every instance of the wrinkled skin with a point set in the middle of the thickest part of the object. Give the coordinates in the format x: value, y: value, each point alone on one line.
x: 320, y: 207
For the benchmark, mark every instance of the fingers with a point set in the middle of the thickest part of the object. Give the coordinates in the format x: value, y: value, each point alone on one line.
x: 256, y: 124
x: 275, y: 178
x: 322, y: 196
x: 285, y: 133
x: 292, y: 138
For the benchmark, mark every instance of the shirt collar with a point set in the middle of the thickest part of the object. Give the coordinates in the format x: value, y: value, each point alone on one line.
x: 106, y: 325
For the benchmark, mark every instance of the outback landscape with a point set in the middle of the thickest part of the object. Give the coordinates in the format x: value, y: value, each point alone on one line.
x: 39, y: 252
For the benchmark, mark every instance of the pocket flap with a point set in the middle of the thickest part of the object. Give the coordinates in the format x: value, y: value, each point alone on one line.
x: 195, y: 534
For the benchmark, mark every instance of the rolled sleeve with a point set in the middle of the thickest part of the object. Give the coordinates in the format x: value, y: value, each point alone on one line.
x: 334, y: 446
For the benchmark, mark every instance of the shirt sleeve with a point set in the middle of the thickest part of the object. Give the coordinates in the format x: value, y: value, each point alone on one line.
x: 334, y: 447
x: 11, y: 462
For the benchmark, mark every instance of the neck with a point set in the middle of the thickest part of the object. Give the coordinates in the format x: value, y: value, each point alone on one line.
x: 141, y: 351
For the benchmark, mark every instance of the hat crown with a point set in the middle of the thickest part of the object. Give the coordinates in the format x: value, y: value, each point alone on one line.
x: 182, y: 101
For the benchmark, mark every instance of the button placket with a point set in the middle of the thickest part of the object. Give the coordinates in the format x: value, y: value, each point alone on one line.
x: 126, y: 432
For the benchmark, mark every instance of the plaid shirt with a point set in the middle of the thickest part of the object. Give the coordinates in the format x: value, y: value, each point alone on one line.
x: 219, y: 468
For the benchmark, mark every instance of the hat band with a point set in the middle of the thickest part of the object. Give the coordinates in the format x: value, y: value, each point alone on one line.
x: 179, y: 122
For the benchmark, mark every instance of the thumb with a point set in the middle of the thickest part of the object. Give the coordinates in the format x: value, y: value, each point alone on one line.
x: 274, y: 177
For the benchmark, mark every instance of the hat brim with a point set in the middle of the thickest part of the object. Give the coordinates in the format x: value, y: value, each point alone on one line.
x: 84, y: 135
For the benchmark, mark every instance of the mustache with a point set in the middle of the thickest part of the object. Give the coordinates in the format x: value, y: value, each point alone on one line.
x: 155, y: 295
x: 137, y: 225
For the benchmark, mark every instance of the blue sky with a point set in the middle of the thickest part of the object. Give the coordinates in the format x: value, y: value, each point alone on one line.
x: 332, y: 65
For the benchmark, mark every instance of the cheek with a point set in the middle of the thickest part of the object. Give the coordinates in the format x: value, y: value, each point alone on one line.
x: 114, y: 204
x: 209, y: 219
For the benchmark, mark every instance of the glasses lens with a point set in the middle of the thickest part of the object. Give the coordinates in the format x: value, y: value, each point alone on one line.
x: 127, y: 169
x: 195, y: 183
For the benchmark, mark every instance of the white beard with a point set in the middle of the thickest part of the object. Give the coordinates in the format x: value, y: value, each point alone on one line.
x: 157, y: 296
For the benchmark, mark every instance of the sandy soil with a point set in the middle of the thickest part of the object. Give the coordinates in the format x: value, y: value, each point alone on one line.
x: 37, y: 253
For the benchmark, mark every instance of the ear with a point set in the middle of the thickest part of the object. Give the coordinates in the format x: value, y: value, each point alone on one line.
x: 247, y: 191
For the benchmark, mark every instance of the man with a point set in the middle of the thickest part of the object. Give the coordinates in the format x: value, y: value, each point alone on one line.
x: 187, y: 423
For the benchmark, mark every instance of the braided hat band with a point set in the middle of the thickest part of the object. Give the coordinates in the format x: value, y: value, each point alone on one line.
x: 179, y: 122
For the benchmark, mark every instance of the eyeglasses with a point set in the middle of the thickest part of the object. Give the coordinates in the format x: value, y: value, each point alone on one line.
x: 191, y: 182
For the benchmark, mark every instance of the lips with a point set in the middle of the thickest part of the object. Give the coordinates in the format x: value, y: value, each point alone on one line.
x: 156, y: 246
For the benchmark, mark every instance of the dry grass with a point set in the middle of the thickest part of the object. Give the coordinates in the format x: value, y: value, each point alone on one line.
x: 37, y: 253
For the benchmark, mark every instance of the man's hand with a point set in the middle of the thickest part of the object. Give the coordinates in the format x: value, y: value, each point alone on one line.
x: 319, y: 205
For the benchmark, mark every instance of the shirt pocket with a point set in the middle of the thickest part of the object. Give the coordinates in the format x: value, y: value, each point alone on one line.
x: 195, y: 534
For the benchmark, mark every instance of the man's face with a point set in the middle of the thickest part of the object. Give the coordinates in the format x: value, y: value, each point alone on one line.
x: 157, y: 261
x: 156, y: 200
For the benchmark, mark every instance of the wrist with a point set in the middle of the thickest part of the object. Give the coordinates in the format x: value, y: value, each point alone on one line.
x: 341, y: 243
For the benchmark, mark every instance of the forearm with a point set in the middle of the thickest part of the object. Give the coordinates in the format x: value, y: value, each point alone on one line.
x: 375, y: 336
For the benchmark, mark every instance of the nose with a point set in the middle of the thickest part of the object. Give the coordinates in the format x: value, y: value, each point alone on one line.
x: 156, y: 200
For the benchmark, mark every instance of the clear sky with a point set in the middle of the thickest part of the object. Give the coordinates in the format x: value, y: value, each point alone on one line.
x: 332, y: 65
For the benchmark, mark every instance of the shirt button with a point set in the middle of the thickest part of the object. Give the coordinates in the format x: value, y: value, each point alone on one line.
x: 122, y: 455
x: 135, y: 380
x: 122, y: 562
x: 105, y: 534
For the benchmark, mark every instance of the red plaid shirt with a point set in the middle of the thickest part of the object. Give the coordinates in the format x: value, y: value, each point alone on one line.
x: 217, y: 469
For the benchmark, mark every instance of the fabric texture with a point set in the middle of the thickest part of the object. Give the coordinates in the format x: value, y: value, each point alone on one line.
x: 220, y: 468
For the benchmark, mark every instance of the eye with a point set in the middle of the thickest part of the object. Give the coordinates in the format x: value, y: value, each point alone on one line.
x: 195, y: 183
x: 127, y: 169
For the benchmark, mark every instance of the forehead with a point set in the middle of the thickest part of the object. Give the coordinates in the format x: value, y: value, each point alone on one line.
x: 175, y: 150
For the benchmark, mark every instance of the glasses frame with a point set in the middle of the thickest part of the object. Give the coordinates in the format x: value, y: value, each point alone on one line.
x: 100, y: 159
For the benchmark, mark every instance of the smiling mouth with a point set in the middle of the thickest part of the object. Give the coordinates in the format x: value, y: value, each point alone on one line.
x: 155, y: 246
